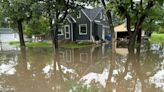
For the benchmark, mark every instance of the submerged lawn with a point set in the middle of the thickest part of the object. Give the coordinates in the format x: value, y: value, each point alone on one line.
x: 33, y: 44
x: 49, y: 44
x: 77, y: 45
x: 155, y: 37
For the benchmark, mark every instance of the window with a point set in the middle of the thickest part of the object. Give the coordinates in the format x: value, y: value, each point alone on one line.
x: 79, y: 15
x: 60, y: 32
x: 67, y: 32
x: 83, y: 29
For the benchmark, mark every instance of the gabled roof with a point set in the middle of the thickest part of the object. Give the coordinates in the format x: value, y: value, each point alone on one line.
x: 92, y: 13
x: 120, y: 28
x: 70, y: 19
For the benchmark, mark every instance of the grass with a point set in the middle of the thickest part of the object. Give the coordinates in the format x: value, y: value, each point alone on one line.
x: 157, y: 37
x: 49, y: 44
x: 39, y: 44
x: 32, y: 44
x: 77, y: 45
x: 14, y: 42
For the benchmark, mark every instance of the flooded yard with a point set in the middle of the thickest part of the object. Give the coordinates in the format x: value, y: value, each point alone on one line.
x: 93, y: 69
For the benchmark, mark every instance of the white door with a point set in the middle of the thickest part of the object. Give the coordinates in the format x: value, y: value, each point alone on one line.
x: 67, y: 31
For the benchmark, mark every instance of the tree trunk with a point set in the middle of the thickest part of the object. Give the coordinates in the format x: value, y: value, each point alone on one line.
x: 56, y: 37
x: 109, y: 15
x: 21, y: 37
x: 131, y: 43
x: 139, y: 37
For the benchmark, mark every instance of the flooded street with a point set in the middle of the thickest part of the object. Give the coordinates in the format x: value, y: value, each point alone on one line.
x: 82, y: 70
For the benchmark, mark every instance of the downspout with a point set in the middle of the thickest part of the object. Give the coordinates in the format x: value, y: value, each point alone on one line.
x: 72, y: 32
x: 91, y: 31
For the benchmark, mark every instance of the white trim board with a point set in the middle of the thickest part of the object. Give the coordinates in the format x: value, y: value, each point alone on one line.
x: 80, y: 29
x: 67, y: 32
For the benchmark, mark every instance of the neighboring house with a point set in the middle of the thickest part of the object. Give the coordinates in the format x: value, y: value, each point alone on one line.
x: 121, y: 32
x: 88, y: 25
x: 7, y: 35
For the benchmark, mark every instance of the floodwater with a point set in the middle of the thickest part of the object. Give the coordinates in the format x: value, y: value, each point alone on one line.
x: 93, y: 69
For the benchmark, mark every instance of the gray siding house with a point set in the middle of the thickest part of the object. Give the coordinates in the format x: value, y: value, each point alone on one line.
x: 88, y: 25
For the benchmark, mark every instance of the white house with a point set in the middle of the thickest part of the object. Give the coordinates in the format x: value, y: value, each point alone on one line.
x: 7, y: 35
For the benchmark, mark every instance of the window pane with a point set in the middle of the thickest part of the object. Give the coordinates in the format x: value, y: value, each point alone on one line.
x: 67, y: 35
x: 67, y: 29
x: 83, y: 29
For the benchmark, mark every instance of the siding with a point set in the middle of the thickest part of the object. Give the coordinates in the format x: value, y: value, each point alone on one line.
x: 62, y: 37
x: 82, y: 20
x: 9, y: 37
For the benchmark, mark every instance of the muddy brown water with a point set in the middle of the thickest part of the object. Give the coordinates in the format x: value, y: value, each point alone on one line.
x: 82, y: 70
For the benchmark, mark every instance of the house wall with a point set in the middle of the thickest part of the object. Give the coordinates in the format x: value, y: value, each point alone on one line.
x: 82, y: 20
x: 99, y: 28
x: 62, y: 37
x: 94, y: 29
x: 9, y: 37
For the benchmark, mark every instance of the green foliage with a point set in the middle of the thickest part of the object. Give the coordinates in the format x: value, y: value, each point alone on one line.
x: 36, y: 26
x: 85, y: 89
x: 161, y: 30
x: 77, y: 45
x: 155, y: 20
x: 157, y: 37
x: 32, y: 44
x: 39, y: 44
x: 136, y: 9
x: 16, y: 10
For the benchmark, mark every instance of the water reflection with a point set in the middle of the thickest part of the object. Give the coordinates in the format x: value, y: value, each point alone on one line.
x: 93, y: 69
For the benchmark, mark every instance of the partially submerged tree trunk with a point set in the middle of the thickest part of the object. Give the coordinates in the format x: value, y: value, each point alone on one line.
x: 55, y: 36
x: 109, y: 15
x: 139, y: 36
x: 21, y: 37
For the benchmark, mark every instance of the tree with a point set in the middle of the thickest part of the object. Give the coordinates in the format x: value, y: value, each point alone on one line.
x: 36, y: 26
x: 135, y: 13
x: 17, y: 11
x: 56, y: 11
x: 154, y: 21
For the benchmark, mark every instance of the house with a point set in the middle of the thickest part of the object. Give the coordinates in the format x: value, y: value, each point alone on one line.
x: 121, y: 32
x: 7, y: 35
x: 88, y: 25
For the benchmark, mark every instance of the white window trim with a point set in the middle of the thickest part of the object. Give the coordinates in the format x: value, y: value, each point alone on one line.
x: 61, y: 31
x: 67, y: 32
x: 80, y: 33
